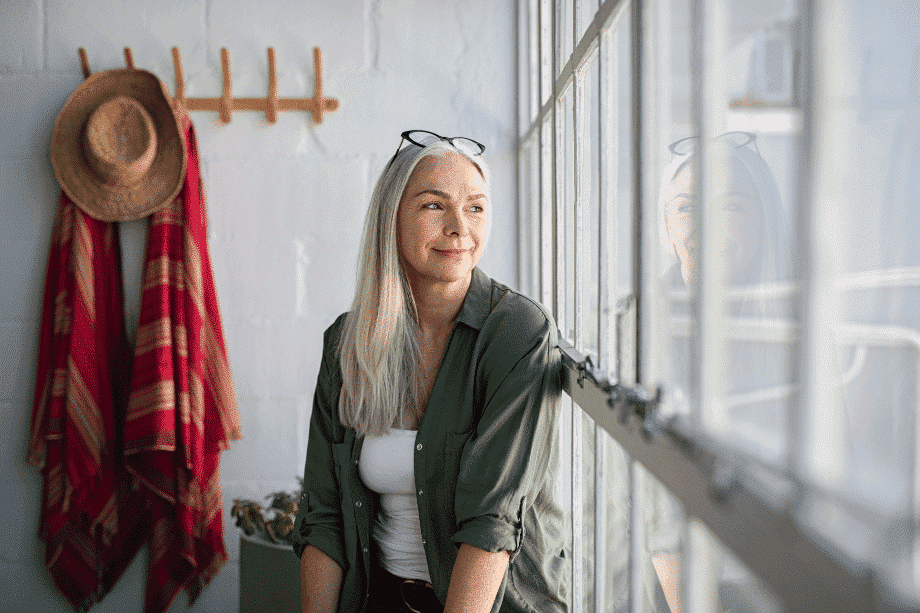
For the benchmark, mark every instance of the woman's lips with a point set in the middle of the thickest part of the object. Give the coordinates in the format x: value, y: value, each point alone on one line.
x: 451, y: 252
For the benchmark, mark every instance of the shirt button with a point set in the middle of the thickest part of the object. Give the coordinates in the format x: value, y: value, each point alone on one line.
x: 418, y: 447
x: 424, y: 542
x: 420, y: 492
x: 358, y: 504
x: 365, y: 549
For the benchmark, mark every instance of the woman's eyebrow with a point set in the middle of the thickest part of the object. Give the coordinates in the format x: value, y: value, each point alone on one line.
x: 433, y: 192
x: 440, y: 194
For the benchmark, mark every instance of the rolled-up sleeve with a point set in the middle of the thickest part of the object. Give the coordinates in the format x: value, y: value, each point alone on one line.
x: 319, y: 516
x: 504, y: 464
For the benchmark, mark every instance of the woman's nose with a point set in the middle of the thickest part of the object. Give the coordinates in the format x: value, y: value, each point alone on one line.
x: 455, y: 223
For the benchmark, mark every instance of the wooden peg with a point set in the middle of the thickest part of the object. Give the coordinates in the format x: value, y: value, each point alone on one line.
x: 226, y: 100
x: 180, y: 78
x: 129, y: 59
x: 84, y: 63
x: 271, y: 104
x: 318, y: 85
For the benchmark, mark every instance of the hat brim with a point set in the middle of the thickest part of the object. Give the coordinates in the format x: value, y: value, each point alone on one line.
x: 106, y: 201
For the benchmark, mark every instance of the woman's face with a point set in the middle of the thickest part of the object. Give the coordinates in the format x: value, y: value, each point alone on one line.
x: 742, y: 243
x: 443, y: 220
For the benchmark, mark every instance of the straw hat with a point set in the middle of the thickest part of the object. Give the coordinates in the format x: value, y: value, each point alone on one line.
x: 117, y: 148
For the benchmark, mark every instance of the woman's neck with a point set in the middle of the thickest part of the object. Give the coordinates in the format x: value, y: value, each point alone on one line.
x: 438, y: 303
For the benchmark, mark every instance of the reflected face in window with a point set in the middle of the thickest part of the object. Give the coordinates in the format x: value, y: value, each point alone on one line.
x: 444, y: 219
x: 741, y: 246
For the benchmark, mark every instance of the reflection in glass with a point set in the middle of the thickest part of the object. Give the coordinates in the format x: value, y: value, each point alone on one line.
x: 753, y: 253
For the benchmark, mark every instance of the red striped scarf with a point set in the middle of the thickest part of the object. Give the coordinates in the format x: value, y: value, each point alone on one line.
x: 127, y: 465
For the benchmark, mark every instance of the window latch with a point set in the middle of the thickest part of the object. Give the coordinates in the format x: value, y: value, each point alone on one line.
x: 625, y: 399
x: 636, y: 400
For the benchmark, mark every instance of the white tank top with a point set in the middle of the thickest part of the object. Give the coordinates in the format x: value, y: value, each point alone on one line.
x: 387, y: 466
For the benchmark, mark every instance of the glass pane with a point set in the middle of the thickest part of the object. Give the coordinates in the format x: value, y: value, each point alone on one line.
x: 660, y: 562
x: 671, y: 107
x: 565, y: 213
x: 546, y: 51
x: 616, y: 186
x: 749, y: 189
x: 723, y: 582
x: 546, y: 216
x: 525, y: 75
x: 588, y: 220
x: 565, y: 16
x: 532, y: 204
x: 567, y: 489
x: 614, y: 531
x: 588, y: 526
x: 861, y: 429
x: 533, y: 60
x: 586, y: 11
x: 525, y: 213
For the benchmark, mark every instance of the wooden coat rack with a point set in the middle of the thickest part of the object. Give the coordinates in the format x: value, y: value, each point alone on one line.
x: 226, y: 104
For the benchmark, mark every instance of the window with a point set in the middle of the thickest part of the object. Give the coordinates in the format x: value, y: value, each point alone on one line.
x: 723, y: 221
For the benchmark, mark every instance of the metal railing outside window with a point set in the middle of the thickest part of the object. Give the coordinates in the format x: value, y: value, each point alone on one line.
x: 720, y: 204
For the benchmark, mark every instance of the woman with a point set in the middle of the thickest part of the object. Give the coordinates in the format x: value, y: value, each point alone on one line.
x: 431, y: 459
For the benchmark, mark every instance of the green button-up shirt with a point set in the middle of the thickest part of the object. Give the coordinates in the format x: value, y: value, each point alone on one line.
x: 486, y: 460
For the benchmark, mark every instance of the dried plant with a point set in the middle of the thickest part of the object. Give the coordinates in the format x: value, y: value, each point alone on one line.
x: 274, y: 523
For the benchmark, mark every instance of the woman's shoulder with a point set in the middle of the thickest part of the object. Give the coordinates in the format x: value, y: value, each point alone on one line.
x: 515, y: 314
x: 333, y: 333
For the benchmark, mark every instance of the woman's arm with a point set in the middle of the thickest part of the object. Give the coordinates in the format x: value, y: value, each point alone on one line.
x: 320, y: 582
x: 318, y: 528
x: 668, y: 568
x: 475, y: 580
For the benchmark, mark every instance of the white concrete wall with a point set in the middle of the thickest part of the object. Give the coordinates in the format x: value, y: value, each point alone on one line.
x: 286, y: 202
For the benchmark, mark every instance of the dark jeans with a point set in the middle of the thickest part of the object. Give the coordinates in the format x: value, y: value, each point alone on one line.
x: 392, y: 594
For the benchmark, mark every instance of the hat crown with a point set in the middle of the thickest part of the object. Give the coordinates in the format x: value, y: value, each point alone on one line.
x: 120, y: 141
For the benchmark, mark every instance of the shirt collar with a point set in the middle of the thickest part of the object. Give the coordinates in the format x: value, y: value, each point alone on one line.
x: 477, y: 302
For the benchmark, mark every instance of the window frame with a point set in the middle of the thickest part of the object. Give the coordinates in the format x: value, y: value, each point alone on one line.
x: 753, y: 513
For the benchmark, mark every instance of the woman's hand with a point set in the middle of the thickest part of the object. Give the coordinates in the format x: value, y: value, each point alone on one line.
x: 320, y: 582
x: 475, y: 580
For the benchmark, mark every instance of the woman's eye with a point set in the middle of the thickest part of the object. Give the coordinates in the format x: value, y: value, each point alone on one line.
x: 431, y: 206
x: 686, y: 208
x: 476, y: 208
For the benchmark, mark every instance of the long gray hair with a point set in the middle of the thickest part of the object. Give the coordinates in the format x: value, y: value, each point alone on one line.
x: 379, y: 348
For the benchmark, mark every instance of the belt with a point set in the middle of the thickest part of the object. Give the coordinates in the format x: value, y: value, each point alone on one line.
x: 391, y: 593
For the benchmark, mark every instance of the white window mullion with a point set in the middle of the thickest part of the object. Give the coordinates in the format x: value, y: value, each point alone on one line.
x: 712, y: 99
x: 822, y: 456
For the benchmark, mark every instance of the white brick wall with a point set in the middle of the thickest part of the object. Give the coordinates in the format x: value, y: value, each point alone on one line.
x: 286, y: 202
